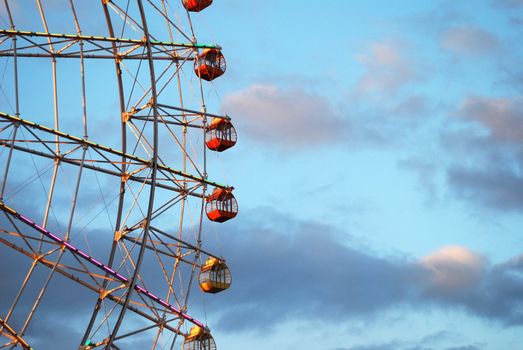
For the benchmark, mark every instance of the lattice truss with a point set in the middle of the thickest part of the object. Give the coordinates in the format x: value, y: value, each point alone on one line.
x: 104, y: 139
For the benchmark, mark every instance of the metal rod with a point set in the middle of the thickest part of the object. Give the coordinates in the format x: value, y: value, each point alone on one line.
x: 8, y: 163
x: 14, y: 336
x: 142, y: 42
x: 154, y: 168
x: 192, y: 111
x: 123, y: 167
x: 94, y: 145
x: 88, y: 286
x: 112, y: 57
x: 63, y: 159
x: 98, y: 264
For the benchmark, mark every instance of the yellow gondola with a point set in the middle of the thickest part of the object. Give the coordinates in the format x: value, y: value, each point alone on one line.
x: 214, y: 276
x: 199, y: 338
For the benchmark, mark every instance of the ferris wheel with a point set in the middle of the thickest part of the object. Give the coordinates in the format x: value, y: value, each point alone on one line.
x: 104, y: 186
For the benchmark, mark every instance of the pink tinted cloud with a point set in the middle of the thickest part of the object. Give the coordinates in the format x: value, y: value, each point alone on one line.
x: 290, y: 118
x: 502, y: 117
x: 387, y: 68
x: 453, y: 268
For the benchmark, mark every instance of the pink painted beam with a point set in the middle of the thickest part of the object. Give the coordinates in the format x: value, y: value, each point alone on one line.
x: 98, y: 264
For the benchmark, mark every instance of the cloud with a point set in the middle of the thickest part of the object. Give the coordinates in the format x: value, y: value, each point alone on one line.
x: 488, y: 145
x: 453, y: 269
x: 466, y: 40
x: 508, y: 3
x: 387, y: 69
x: 501, y: 117
x: 406, y: 346
x: 303, y: 269
x: 286, y: 269
x: 430, y: 342
x: 397, y: 346
x: 295, y: 118
x: 385, y: 346
x: 499, y: 189
x: 413, y: 106
x: 287, y: 118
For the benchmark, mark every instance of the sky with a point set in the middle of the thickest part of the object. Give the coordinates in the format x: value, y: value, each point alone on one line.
x: 378, y: 171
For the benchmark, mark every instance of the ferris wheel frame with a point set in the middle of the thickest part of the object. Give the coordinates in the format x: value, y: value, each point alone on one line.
x: 139, y: 239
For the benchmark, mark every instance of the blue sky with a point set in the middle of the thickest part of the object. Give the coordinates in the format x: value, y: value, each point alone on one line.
x: 392, y: 132
x: 379, y: 173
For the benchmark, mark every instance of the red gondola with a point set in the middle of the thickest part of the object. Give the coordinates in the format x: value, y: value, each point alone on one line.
x: 210, y: 64
x: 221, y: 205
x: 220, y: 135
x: 196, y: 5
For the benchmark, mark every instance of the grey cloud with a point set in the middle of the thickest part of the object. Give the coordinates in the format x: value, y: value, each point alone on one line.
x: 394, y: 346
x: 495, y: 188
x: 434, y: 341
x: 412, y: 106
x: 304, y: 270
x: 468, y: 41
x: 487, y: 138
x: 502, y: 117
x: 286, y: 269
x: 508, y: 3
x: 386, y: 346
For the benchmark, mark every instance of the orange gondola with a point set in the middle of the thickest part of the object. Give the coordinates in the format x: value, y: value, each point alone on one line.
x: 214, y: 276
x: 210, y: 64
x: 196, y: 5
x: 199, y: 338
x: 220, y: 135
x: 221, y: 205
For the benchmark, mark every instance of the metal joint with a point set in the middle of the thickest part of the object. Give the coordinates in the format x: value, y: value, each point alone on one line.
x: 151, y: 102
x: 126, y: 176
x: 37, y: 258
x: 104, y: 293
x: 126, y: 116
x: 118, y: 235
